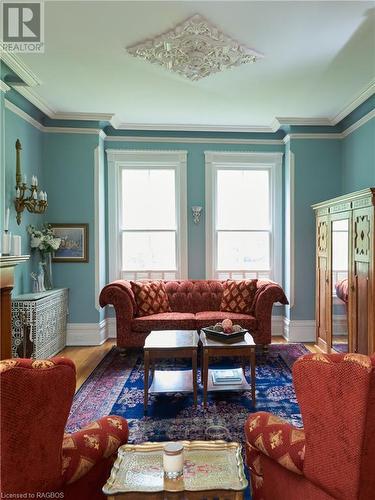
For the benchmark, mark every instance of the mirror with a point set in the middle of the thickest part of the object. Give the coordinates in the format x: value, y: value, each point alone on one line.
x: 340, y: 262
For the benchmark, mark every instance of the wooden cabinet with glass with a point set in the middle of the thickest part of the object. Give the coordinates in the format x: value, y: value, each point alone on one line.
x: 345, y: 273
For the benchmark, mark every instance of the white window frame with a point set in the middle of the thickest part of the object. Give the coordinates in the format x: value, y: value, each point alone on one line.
x: 153, y: 159
x: 216, y: 160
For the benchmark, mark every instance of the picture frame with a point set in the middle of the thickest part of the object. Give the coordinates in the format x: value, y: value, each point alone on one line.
x: 74, y: 242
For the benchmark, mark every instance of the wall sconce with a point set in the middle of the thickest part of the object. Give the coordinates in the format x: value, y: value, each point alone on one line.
x: 36, y: 203
x: 197, y: 211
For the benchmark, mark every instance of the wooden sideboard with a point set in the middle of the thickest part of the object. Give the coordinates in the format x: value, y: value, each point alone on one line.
x: 7, y: 266
x: 345, y: 273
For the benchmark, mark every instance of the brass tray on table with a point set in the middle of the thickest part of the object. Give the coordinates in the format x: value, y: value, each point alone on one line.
x: 208, y: 465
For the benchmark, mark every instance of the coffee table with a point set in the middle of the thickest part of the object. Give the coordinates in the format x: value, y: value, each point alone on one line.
x: 212, y: 469
x: 244, y: 349
x: 165, y: 345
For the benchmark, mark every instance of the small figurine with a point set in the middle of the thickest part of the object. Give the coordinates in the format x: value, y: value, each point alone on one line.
x: 41, y: 278
x: 35, y: 282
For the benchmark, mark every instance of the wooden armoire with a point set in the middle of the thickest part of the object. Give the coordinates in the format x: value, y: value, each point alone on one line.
x: 345, y: 273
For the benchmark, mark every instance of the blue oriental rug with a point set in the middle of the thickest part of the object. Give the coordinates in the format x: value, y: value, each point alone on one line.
x: 116, y: 387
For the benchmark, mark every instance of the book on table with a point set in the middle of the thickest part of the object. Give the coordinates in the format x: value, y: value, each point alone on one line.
x: 230, y: 377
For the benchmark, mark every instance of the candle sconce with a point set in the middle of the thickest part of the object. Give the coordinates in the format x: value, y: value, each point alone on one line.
x: 197, y: 211
x: 36, y: 202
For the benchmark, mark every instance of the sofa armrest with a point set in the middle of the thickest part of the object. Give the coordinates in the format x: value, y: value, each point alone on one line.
x: 85, y: 448
x: 120, y: 295
x: 268, y: 292
x: 275, y: 437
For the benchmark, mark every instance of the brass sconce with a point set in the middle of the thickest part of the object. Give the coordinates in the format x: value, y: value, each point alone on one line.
x: 36, y: 203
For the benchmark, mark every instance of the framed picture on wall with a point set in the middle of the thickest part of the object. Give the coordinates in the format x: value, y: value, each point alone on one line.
x: 74, y: 242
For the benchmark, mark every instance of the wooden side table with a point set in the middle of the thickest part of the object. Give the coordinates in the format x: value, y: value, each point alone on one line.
x: 244, y: 349
x: 170, y: 344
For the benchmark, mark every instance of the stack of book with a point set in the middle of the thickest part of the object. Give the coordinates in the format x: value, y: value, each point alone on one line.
x: 227, y: 377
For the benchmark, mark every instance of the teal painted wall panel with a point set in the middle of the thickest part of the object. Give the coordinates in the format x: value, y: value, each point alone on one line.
x: 31, y: 164
x: 358, y: 158
x: 69, y: 179
x: 195, y: 189
x: 317, y: 178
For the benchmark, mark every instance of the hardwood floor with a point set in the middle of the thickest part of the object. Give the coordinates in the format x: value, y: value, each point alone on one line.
x: 86, y: 358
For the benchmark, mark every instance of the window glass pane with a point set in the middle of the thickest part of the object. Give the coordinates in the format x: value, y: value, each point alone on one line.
x: 148, y: 251
x: 148, y: 199
x: 240, y: 250
x: 243, y: 199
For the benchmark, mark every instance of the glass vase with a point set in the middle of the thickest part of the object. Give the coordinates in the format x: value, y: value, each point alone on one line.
x: 46, y: 262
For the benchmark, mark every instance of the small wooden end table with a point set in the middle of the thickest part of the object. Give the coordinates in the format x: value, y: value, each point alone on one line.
x: 244, y: 349
x: 213, y: 470
x: 170, y: 344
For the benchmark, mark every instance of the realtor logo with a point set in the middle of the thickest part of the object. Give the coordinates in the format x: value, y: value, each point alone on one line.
x: 22, y: 26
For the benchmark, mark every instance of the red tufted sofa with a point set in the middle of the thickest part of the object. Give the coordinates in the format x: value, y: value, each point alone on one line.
x: 194, y: 304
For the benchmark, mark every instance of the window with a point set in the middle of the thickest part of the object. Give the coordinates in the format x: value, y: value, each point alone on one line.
x: 243, y: 226
x: 147, y: 193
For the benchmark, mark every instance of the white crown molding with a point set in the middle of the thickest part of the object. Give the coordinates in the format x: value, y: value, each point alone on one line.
x: 279, y: 121
x: 362, y: 97
x: 359, y: 123
x: 72, y: 130
x: 105, y: 117
x: 37, y: 101
x: 18, y: 111
x: 4, y: 87
x: 20, y: 68
x: 193, y: 140
x: 183, y: 127
x: 335, y: 135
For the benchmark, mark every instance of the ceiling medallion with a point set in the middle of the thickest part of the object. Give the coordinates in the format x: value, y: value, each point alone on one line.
x: 194, y: 49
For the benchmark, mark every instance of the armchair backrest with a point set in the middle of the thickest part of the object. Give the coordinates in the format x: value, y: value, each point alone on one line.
x: 36, y: 397
x: 336, y: 394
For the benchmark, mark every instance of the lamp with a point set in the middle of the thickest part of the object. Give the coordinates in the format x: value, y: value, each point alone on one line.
x: 36, y: 202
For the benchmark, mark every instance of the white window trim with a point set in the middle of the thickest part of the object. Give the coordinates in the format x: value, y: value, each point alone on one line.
x: 272, y: 161
x: 117, y: 159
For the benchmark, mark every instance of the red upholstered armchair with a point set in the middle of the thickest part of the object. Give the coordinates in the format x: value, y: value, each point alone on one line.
x: 333, y: 457
x: 36, y: 455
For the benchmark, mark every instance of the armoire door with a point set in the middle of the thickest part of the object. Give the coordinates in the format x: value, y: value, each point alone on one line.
x: 361, y: 292
x: 323, y: 285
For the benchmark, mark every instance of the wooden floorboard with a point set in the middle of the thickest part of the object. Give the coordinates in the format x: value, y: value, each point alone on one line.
x: 87, y: 358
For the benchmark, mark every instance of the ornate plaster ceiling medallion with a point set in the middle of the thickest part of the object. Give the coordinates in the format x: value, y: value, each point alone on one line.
x: 194, y: 49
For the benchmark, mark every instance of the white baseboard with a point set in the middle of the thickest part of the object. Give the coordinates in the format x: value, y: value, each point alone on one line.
x: 299, y: 330
x: 111, y: 328
x: 277, y: 325
x: 97, y: 333
x: 86, y: 333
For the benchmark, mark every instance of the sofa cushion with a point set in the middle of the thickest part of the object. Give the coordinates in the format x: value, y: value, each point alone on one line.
x: 164, y: 321
x: 194, y: 296
x: 207, y: 318
x: 238, y: 296
x: 150, y: 297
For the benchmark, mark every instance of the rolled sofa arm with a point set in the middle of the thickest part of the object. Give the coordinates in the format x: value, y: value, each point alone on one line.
x: 268, y: 293
x: 120, y: 295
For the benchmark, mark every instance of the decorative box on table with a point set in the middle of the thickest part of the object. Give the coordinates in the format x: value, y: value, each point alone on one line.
x: 39, y: 323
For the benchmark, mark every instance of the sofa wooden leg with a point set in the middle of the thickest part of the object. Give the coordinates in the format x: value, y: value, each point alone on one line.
x: 122, y: 351
x: 265, y: 348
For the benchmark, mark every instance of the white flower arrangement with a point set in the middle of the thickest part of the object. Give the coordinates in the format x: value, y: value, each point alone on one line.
x: 43, y: 239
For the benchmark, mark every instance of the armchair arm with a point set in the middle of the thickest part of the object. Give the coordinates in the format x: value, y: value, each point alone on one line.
x: 268, y: 292
x: 275, y: 437
x: 85, y: 448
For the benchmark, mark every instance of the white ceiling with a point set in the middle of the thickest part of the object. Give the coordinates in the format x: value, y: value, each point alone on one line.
x: 319, y: 57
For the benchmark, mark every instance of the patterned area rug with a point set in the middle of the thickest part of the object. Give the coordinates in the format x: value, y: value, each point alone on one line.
x: 116, y: 387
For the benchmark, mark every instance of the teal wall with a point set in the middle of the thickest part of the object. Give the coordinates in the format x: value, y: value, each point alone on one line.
x: 69, y: 180
x: 317, y: 178
x: 358, y: 158
x: 195, y: 189
x: 65, y: 165
x: 31, y: 164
